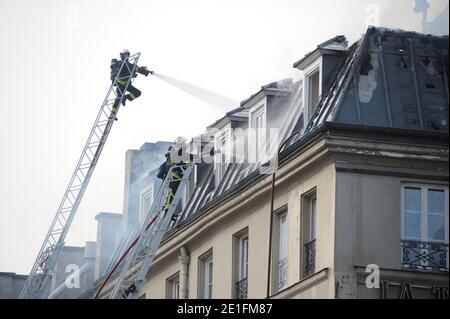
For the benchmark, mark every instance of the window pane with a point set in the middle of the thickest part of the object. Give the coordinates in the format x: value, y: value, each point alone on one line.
x: 210, y: 273
x: 413, y: 225
x: 413, y: 200
x: 436, y: 201
x: 314, y: 91
x: 208, y: 277
x: 176, y: 290
x: 243, y: 257
x: 283, y: 238
x: 313, y: 218
x: 436, y: 227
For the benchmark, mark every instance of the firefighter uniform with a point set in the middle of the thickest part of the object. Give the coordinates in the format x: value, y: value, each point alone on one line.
x: 177, y: 176
x: 126, y: 68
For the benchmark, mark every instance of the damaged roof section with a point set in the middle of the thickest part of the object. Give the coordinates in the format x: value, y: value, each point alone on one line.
x: 392, y: 79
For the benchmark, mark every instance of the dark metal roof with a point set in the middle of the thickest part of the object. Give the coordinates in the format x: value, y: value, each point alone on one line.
x: 236, y: 114
x: 336, y: 45
x: 281, y: 87
x: 391, y: 78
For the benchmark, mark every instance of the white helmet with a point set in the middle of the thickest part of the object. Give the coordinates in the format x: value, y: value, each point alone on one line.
x: 125, y: 52
x: 180, y: 141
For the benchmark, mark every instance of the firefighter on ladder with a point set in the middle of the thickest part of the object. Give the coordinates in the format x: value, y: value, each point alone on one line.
x: 176, y: 172
x: 176, y: 158
x: 123, y: 78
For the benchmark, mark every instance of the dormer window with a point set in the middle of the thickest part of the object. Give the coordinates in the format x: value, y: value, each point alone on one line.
x: 257, y: 132
x: 222, y: 143
x: 313, y: 88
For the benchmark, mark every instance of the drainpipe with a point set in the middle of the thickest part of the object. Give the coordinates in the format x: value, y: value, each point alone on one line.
x: 184, y: 258
x: 272, y: 199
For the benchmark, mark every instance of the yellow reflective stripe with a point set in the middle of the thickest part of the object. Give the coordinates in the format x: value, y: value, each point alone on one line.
x: 132, y: 96
x: 123, y: 82
x: 175, y: 174
x: 168, y: 199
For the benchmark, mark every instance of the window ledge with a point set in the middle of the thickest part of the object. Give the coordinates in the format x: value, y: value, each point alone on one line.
x: 302, y: 285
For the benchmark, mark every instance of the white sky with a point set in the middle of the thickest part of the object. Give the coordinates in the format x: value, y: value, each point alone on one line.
x: 54, y: 66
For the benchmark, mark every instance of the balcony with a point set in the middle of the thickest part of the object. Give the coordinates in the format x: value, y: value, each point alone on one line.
x: 310, y: 258
x: 241, y: 288
x: 427, y: 256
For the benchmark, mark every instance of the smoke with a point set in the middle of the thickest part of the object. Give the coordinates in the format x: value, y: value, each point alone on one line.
x: 211, y: 97
x: 285, y: 121
x: 282, y: 118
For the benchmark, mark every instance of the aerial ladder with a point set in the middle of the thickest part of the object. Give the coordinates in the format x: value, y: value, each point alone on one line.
x: 128, y: 275
x: 37, y: 282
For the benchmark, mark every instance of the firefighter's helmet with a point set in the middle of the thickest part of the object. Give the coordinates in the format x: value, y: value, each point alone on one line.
x: 125, y: 53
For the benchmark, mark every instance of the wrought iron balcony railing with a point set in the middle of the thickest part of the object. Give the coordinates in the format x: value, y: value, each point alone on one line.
x: 241, y: 288
x: 282, y: 273
x: 310, y: 258
x: 424, y: 255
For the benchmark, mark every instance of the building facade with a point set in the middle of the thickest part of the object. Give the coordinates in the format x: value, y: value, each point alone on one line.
x: 360, y: 205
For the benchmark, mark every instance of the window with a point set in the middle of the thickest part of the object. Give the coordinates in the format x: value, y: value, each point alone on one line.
x: 146, y: 201
x: 312, y: 212
x: 309, y: 221
x: 176, y: 290
x: 222, y: 158
x: 243, y: 257
x: 312, y: 89
x: 257, y: 134
x: 425, y: 227
x: 241, y: 267
x: 280, y: 253
x: 259, y: 125
x: 173, y: 287
x: 206, y: 276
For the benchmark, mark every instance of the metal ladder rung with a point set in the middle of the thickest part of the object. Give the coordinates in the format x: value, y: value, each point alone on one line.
x: 100, y: 123
x: 85, y: 166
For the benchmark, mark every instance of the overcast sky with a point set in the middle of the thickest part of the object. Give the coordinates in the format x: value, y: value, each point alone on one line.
x: 54, y: 63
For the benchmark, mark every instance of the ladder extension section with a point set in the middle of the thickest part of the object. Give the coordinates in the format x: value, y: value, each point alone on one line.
x: 132, y: 268
x: 37, y: 281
